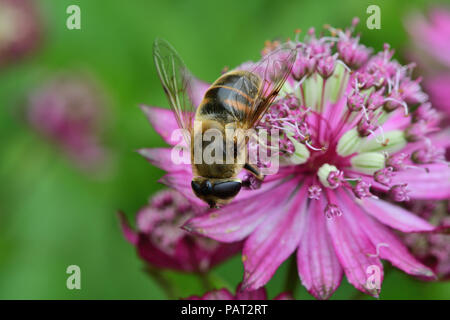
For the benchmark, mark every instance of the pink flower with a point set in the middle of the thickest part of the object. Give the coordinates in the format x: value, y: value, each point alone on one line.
x: 431, y: 47
x: 334, y: 156
x: 161, y: 242
x: 224, y: 294
x: 432, y: 249
x: 20, y: 29
x: 69, y: 111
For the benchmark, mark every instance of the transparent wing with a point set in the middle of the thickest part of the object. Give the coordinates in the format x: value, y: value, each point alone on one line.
x: 273, y: 70
x: 176, y: 81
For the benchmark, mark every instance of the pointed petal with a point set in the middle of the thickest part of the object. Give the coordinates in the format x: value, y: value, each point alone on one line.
x: 433, y: 183
x: 163, y: 121
x: 162, y: 158
x: 129, y: 233
x: 231, y: 223
x: 318, y: 265
x: 181, y: 181
x: 395, y: 216
x: 284, y: 296
x: 225, y: 251
x: 353, y: 247
x: 154, y: 256
x: 237, y: 220
x: 222, y: 294
x: 386, y: 243
x: 274, y: 240
x: 439, y: 139
x: 437, y: 87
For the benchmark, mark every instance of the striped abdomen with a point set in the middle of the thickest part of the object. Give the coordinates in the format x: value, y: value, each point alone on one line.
x: 231, y: 97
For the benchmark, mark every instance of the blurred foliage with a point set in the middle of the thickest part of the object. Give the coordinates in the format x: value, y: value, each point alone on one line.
x: 52, y: 215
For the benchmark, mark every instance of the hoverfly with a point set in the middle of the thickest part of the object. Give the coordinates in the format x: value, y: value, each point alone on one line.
x: 238, y: 99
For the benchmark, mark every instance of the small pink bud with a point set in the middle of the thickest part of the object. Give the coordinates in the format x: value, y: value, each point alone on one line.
x: 325, y: 66
x: 314, y: 192
x: 362, y: 190
x: 332, y: 211
x: 384, y: 176
x: 396, y: 161
x: 399, y: 193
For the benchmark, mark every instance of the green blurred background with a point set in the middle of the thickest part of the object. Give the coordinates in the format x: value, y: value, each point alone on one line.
x: 52, y: 215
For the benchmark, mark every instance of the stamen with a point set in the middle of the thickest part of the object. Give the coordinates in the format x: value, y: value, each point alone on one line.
x: 332, y: 211
x: 314, y: 148
x: 314, y: 192
x: 402, y: 103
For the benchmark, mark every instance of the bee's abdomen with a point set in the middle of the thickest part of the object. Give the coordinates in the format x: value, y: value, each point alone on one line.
x: 231, y: 96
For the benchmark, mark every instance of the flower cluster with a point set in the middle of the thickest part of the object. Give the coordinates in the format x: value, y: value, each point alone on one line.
x: 161, y: 242
x: 357, y: 139
x: 430, y: 48
x: 20, y: 29
x: 432, y: 51
x: 432, y: 249
x: 68, y: 110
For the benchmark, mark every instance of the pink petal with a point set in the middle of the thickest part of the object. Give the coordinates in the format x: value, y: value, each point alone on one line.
x: 269, y: 183
x: 318, y: 265
x: 224, y: 251
x: 163, y: 121
x: 274, y: 240
x: 231, y: 223
x: 439, y: 139
x: 237, y: 220
x: 431, y: 184
x: 438, y: 88
x: 388, y: 246
x: 181, y: 181
x: 197, y: 90
x: 129, y: 233
x: 259, y: 294
x: 430, y: 37
x: 395, y: 121
x: 162, y: 158
x: 156, y: 257
x: 284, y: 296
x: 222, y: 294
x: 395, y: 217
x: 353, y: 247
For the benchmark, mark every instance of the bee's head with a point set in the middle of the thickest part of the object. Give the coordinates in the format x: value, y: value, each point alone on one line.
x: 216, y: 192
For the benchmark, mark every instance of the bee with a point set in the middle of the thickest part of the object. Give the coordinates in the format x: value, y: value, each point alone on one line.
x: 236, y: 100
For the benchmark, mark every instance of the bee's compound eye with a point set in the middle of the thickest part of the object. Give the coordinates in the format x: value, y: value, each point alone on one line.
x: 203, y: 189
x: 227, y: 189
x: 196, y: 187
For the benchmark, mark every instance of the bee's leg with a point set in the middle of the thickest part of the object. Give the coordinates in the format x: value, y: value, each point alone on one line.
x: 253, y: 170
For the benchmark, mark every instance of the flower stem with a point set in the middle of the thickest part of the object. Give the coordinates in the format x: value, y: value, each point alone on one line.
x: 206, y: 281
x: 292, y: 279
x: 163, y: 282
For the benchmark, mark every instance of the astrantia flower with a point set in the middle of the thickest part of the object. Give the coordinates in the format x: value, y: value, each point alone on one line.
x: 69, y: 111
x: 224, y: 294
x: 348, y: 133
x: 161, y: 242
x: 20, y: 29
x: 431, y: 48
x: 432, y: 249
